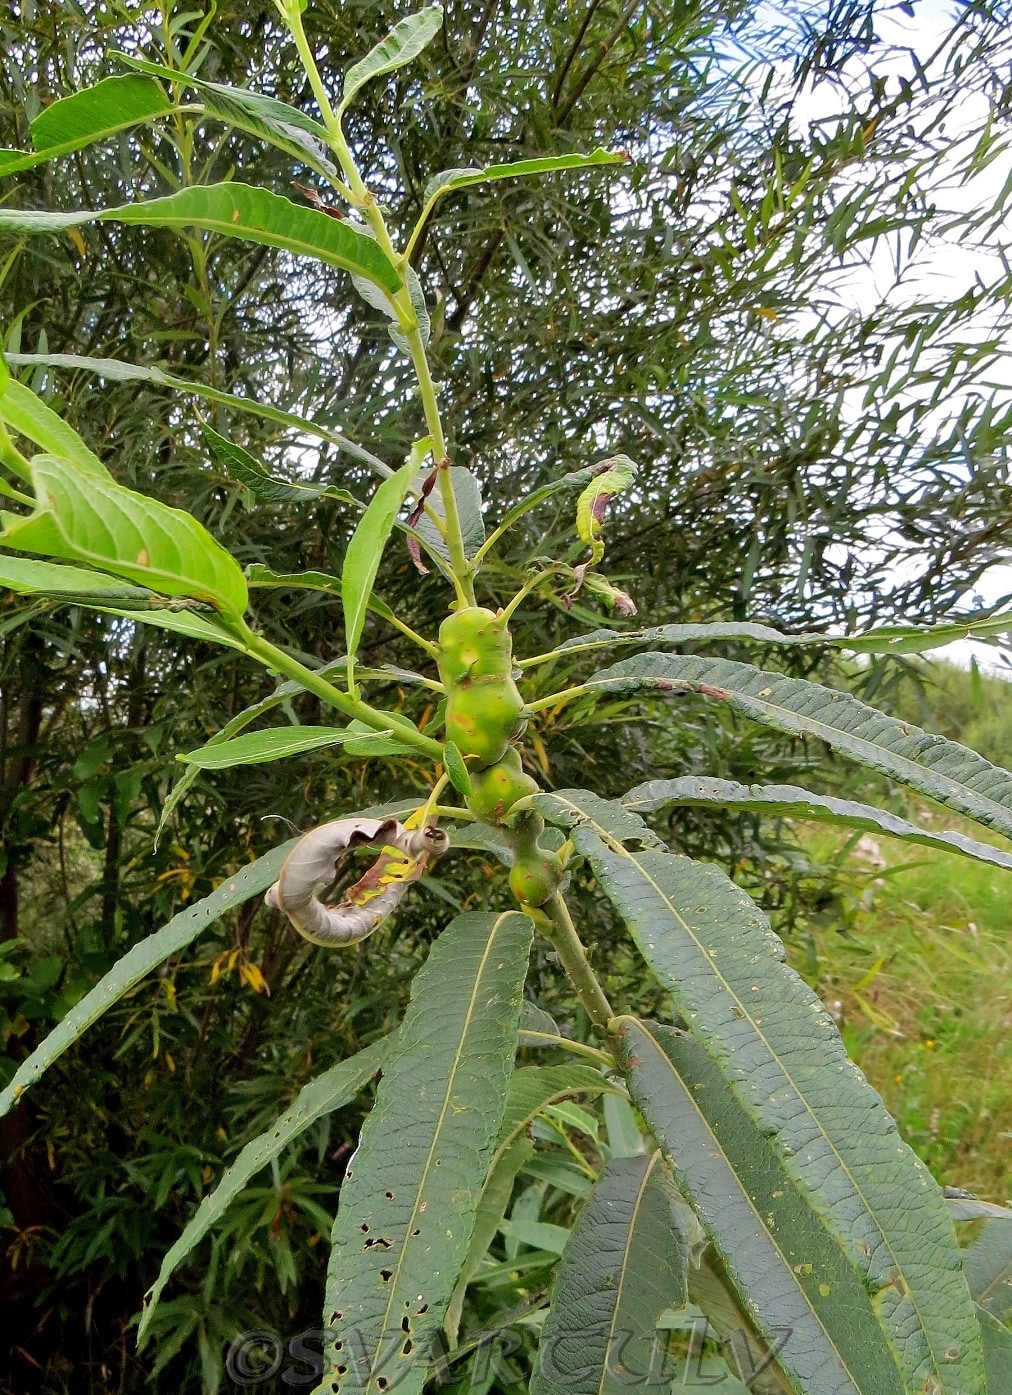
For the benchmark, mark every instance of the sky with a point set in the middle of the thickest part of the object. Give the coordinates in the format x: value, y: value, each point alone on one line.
x: 945, y: 270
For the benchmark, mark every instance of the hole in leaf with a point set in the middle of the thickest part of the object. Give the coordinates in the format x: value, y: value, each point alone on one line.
x: 405, y: 1324
x: 408, y: 1347
x: 389, y: 1196
x: 386, y: 1275
x: 423, y: 1309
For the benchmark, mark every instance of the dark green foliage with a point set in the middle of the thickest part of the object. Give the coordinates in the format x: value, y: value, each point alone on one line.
x: 679, y: 309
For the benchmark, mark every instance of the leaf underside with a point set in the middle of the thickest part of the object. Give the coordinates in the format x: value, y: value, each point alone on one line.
x: 714, y: 951
x: 408, y: 1201
x: 623, y: 1265
x: 328, y: 1092
x: 138, y: 962
x: 940, y: 769
x: 791, y: 801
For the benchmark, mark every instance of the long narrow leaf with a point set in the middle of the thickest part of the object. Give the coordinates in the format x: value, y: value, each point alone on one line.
x: 138, y: 962
x: 112, y: 105
x: 286, y: 127
x: 576, y: 479
x: 241, y: 466
x: 408, y: 1201
x: 987, y: 1264
x: 108, y: 595
x: 257, y: 747
x: 449, y: 180
x: 805, y: 1297
x: 405, y: 42
x: 116, y: 371
x: 625, y: 1263
x: 887, y: 639
x: 362, y: 559
x: 322, y: 1096
x: 941, y: 769
x: 997, y: 1353
x: 235, y: 210
x: 793, y: 802
x: 713, y: 950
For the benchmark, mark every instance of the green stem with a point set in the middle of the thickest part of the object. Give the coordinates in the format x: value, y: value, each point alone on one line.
x: 406, y: 315
x: 578, y: 1048
x: 431, y: 649
x: 566, y: 695
x: 528, y: 587
x: 274, y: 658
x: 10, y: 456
x: 573, y: 958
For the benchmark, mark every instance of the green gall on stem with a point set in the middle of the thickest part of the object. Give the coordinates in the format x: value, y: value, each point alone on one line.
x: 497, y: 788
x: 483, y: 715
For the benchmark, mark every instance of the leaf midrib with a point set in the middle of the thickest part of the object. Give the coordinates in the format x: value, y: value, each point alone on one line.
x: 617, y: 847
x: 806, y: 725
x: 486, y: 955
x: 637, y: 1204
x: 788, y: 1267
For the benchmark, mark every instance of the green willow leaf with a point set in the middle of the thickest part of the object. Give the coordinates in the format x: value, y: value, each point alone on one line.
x: 363, y: 741
x: 286, y: 127
x: 710, y: 946
x: 27, y: 414
x: 239, y: 722
x: 793, y: 802
x: 467, y: 492
x: 887, y: 639
x: 405, y: 42
x: 108, y: 596
x: 534, y: 1021
x: 365, y: 550
x: 116, y: 371
x: 624, y: 1264
x: 777, y: 1248
x: 112, y: 105
x: 941, y: 769
x: 29, y: 577
x: 571, y: 807
x: 576, y: 479
x: 235, y: 210
x: 258, y: 747
x: 987, y: 1264
x: 492, y: 1204
x: 408, y: 1201
x: 138, y: 962
x: 327, y: 1093
x: 449, y: 180
x: 531, y: 1089
x: 86, y: 518
x: 997, y: 1341
x: 963, y: 1206
x: 241, y: 466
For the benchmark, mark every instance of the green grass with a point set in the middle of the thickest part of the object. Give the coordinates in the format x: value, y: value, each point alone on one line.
x: 913, y: 960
